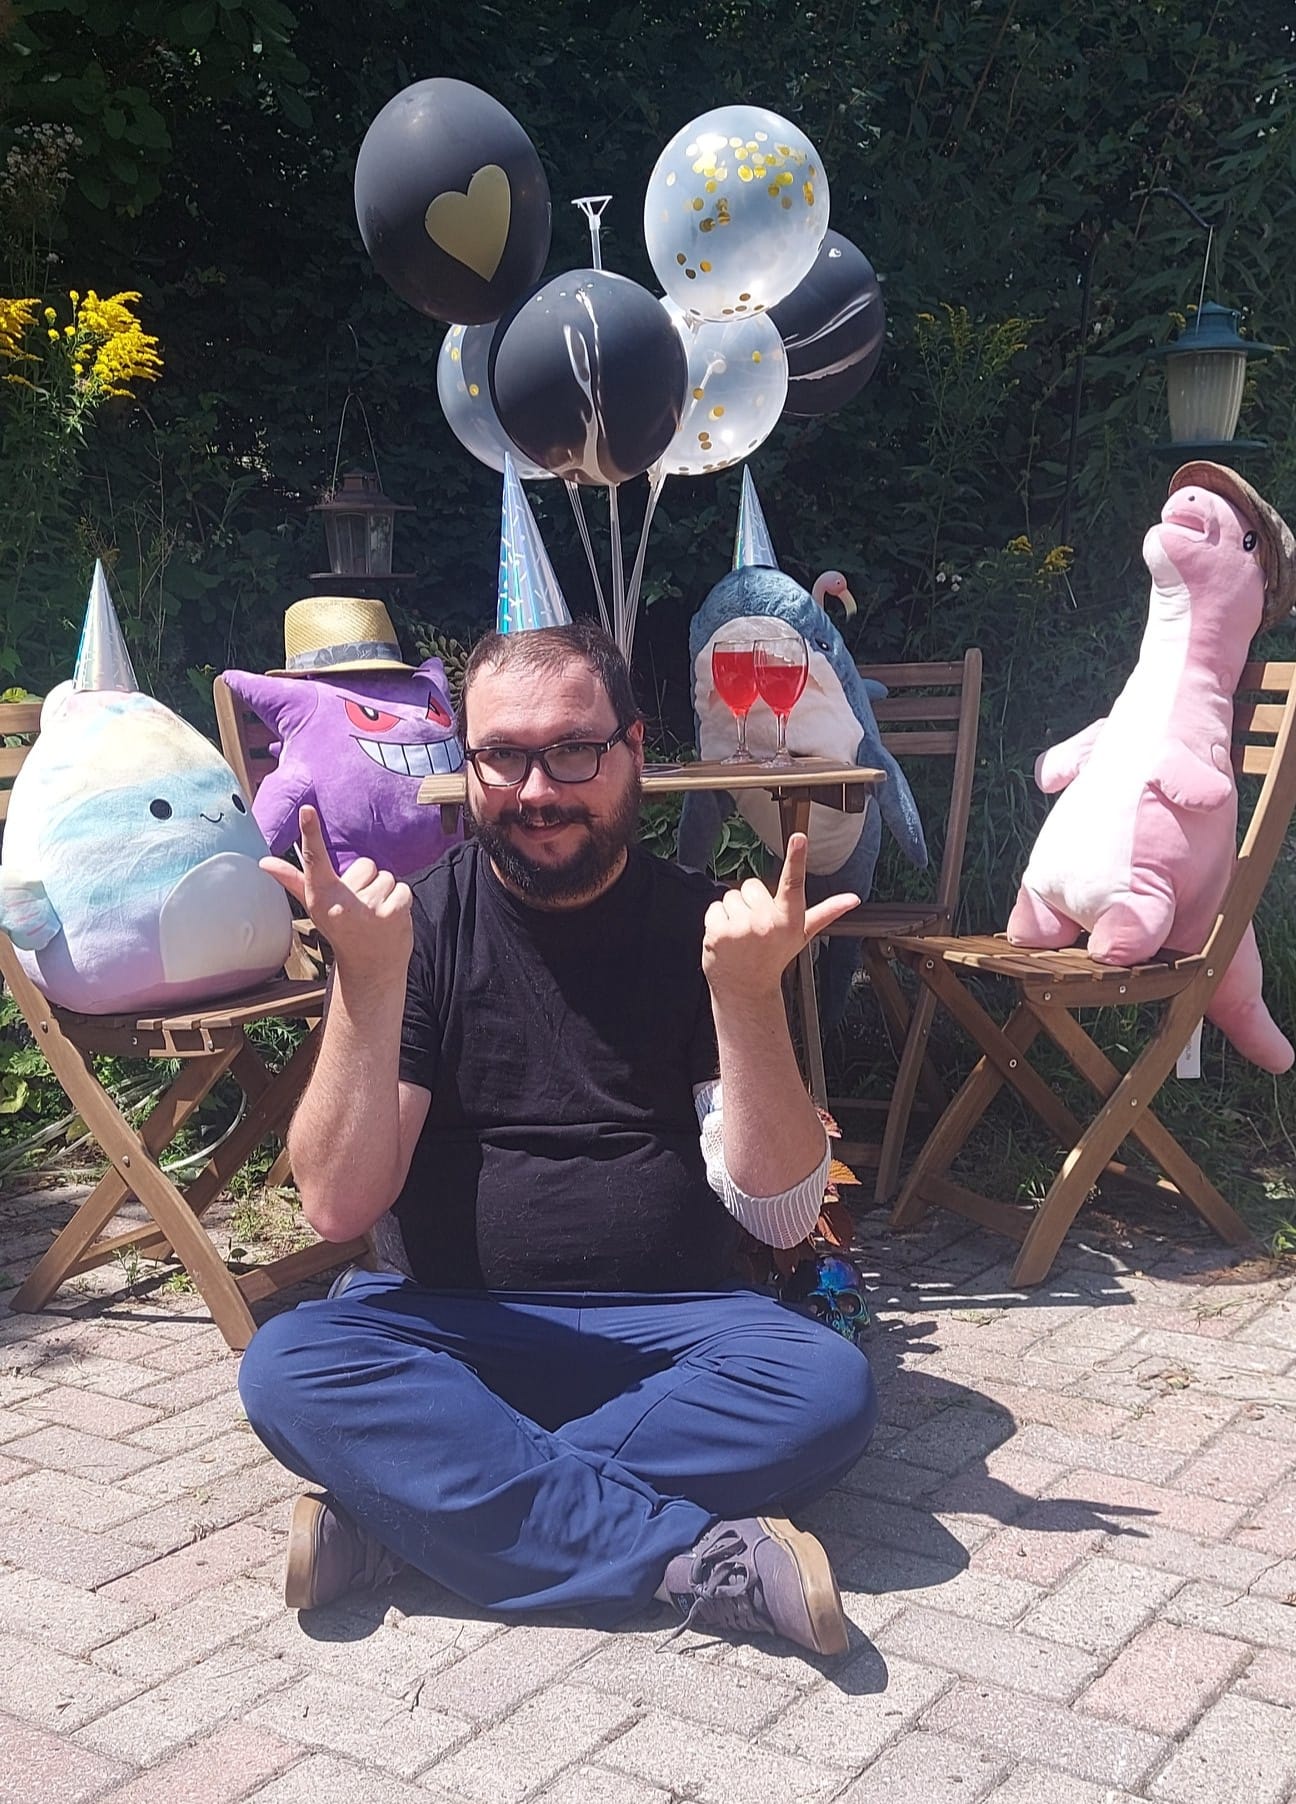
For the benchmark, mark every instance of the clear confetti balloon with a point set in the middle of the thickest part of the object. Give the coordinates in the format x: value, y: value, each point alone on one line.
x: 464, y: 393
x: 736, y: 209
x: 737, y: 382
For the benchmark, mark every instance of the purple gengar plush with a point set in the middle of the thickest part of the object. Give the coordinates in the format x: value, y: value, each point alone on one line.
x: 356, y: 747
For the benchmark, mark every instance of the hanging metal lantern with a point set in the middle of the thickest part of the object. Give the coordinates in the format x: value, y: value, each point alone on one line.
x: 359, y: 526
x: 1205, y: 368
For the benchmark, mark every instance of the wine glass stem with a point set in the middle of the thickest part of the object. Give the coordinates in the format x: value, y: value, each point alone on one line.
x: 780, y: 744
x: 742, y: 732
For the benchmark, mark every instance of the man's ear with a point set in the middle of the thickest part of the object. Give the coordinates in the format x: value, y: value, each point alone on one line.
x: 635, y: 740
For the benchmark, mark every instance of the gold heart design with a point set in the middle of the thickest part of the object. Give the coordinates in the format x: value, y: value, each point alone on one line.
x: 473, y: 227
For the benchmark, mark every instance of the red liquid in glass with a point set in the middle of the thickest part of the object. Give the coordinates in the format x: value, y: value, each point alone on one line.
x: 781, y: 685
x: 734, y: 674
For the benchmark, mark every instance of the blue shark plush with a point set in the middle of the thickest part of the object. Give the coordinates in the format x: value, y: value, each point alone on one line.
x: 833, y: 719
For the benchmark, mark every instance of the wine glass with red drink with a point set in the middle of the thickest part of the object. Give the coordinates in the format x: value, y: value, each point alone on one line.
x: 734, y: 676
x: 781, y: 667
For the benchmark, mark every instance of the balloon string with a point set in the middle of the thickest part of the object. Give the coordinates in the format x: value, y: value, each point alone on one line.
x: 618, y: 572
x: 582, y: 527
x: 656, y: 483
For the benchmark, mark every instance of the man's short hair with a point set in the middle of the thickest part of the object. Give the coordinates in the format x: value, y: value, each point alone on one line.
x: 546, y: 650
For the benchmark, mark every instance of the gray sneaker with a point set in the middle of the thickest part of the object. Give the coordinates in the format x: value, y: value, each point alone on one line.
x: 329, y: 1556
x: 760, y: 1576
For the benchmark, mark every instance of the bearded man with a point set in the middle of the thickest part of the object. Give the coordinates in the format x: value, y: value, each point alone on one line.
x: 563, y: 1399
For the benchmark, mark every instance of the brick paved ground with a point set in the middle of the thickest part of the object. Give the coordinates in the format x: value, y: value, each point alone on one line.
x: 1070, y: 1559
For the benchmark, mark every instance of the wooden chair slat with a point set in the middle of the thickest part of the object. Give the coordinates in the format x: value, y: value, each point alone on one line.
x: 917, y: 707
x: 18, y: 720
x: 916, y: 676
x: 887, y: 921
x: 921, y: 745
x: 1278, y: 677
x: 1251, y: 760
x: 19, y: 717
x: 1256, y: 717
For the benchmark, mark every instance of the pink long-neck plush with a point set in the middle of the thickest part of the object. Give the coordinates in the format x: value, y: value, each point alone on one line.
x: 1140, y: 844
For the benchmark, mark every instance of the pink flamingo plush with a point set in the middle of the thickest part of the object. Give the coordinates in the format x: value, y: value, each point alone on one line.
x: 832, y: 582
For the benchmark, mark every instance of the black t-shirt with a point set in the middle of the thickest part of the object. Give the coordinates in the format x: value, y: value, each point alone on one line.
x: 561, y: 1149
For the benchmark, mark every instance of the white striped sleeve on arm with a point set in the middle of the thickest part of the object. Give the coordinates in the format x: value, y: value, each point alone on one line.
x: 778, y: 1221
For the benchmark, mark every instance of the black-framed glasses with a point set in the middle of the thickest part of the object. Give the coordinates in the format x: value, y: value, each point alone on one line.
x: 570, y: 761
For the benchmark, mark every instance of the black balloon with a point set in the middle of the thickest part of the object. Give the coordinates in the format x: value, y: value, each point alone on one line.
x: 588, y: 377
x: 833, y: 324
x: 452, y: 202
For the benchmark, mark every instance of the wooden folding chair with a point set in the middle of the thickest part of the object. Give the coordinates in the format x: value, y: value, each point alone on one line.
x: 1052, y: 987
x: 245, y: 742
x: 209, y: 1044
x: 932, y: 711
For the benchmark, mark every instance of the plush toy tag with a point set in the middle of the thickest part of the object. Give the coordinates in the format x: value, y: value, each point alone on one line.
x: 1189, y: 1060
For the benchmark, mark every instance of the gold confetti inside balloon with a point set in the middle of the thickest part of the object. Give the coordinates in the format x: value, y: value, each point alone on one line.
x: 737, y: 382
x: 463, y: 388
x: 736, y: 209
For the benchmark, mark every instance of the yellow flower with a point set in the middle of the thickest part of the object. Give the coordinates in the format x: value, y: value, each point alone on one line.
x: 123, y: 351
x: 105, y: 347
x: 73, y: 296
x: 16, y: 319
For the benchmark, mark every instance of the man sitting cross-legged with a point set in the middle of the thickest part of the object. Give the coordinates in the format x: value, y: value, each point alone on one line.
x: 568, y: 1402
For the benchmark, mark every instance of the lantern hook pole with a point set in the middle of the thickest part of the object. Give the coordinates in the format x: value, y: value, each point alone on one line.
x: 1173, y: 194
x: 1206, y: 225
x: 1086, y: 304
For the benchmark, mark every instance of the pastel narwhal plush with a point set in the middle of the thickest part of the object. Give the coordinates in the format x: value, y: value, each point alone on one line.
x: 1139, y: 846
x: 130, y: 877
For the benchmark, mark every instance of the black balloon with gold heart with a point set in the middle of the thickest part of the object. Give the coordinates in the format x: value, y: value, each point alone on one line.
x: 452, y: 202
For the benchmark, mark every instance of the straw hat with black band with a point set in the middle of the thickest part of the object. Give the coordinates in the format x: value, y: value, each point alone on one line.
x: 325, y: 635
x: 1277, y: 545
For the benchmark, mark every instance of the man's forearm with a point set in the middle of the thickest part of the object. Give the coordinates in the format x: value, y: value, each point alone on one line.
x: 773, y: 1137
x: 344, y: 1141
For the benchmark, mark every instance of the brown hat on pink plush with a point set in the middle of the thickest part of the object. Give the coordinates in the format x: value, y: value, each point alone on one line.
x: 1277, y: 541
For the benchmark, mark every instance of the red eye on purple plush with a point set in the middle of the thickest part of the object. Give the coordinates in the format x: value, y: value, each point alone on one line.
x: 437, y: 713
x: 372, y: 718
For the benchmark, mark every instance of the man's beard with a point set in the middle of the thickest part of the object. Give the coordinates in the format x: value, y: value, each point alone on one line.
x: 585, y: 873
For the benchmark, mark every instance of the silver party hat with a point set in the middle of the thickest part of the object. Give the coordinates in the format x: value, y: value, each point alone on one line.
x: 103, y: 661
x: 752, y: 542
x: 529, y: 595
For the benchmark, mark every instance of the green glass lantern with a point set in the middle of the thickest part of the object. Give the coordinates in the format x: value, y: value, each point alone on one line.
x: 1205, y: 368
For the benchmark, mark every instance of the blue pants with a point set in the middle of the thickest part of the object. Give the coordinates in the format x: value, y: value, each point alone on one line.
x: 538, y: 1451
